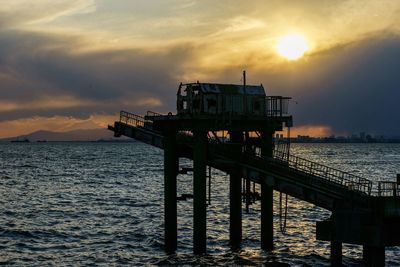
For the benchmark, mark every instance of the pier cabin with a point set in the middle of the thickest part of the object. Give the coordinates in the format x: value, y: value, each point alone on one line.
x: 211, y: 98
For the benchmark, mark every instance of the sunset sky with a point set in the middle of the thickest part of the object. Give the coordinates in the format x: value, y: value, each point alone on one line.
x: 72, y: 64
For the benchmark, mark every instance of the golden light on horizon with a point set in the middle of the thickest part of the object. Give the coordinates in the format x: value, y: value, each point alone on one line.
x: 292, y: 46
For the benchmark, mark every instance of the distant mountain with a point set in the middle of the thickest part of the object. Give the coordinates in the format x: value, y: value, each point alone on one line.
x: 76, y: 135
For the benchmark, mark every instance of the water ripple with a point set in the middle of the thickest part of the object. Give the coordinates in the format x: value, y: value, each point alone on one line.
x: 101, y: 204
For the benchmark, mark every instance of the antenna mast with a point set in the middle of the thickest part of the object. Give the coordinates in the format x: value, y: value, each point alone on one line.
x: 244, y: 91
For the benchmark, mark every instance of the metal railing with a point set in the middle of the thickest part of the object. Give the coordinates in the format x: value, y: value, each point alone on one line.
x: 307, y: 167
x: 348, y: 180
x: 277, y: 106
x: 153, y: 114
x: 312, y: 169
x: 131, y: 119
x: 284, y: 159
x: 388, y: 189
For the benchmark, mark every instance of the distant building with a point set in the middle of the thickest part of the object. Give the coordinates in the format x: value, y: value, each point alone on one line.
x: 363, y: 136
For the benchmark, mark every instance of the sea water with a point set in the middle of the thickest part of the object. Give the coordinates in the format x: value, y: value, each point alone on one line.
x: 102, y: 204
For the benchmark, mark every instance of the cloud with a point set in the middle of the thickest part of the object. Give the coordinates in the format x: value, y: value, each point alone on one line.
x: 48, y: 75
x: 19, y: 13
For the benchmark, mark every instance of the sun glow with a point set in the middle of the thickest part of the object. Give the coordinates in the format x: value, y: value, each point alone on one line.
x: 292, y: 46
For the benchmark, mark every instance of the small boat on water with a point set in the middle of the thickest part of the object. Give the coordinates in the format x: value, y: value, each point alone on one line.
x: 25, y: 140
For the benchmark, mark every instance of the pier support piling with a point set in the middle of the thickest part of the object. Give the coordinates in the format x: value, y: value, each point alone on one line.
x: 267, y: 199
x: 199, y: 192
x: 171, y: 166
x: 336, y: 253
x: 374, y: 256
x: 248, y: 192
x: 267, y: 228
x: 235, y: 202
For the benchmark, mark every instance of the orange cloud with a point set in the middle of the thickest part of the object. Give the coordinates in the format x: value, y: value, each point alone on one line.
x: 150, y: 102
x: 46, y: 102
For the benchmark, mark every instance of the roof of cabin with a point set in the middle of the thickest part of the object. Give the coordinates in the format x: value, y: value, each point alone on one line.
x: 229, y: 88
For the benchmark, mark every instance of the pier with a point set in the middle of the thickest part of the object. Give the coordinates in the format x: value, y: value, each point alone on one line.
x: 231, y: 128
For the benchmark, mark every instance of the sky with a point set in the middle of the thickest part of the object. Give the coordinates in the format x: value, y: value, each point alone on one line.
x: 74, y: 64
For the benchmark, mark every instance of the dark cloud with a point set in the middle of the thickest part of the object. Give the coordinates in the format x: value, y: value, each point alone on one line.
x: 41, y: 65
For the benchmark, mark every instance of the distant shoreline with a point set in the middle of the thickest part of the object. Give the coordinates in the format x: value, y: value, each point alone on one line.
x: 134, y: 141
x: 343, y: 142
x: 71, y: 141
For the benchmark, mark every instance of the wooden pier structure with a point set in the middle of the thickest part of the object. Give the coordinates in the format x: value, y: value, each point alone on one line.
x: 211, y: 130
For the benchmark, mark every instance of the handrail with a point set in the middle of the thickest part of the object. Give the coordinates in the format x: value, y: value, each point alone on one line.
x: 351, y: 181
x: 276, y: 106
x: 153, y: 114
x: 131, y: 119
x: 388, y: 188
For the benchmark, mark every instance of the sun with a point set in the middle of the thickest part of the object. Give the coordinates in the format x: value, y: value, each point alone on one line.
x: 292, y: 46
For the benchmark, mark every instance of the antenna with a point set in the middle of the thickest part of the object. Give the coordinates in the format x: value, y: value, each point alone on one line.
x: 244, y: 91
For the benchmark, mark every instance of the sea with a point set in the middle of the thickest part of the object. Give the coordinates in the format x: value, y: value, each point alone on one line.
x: 101, y: 204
